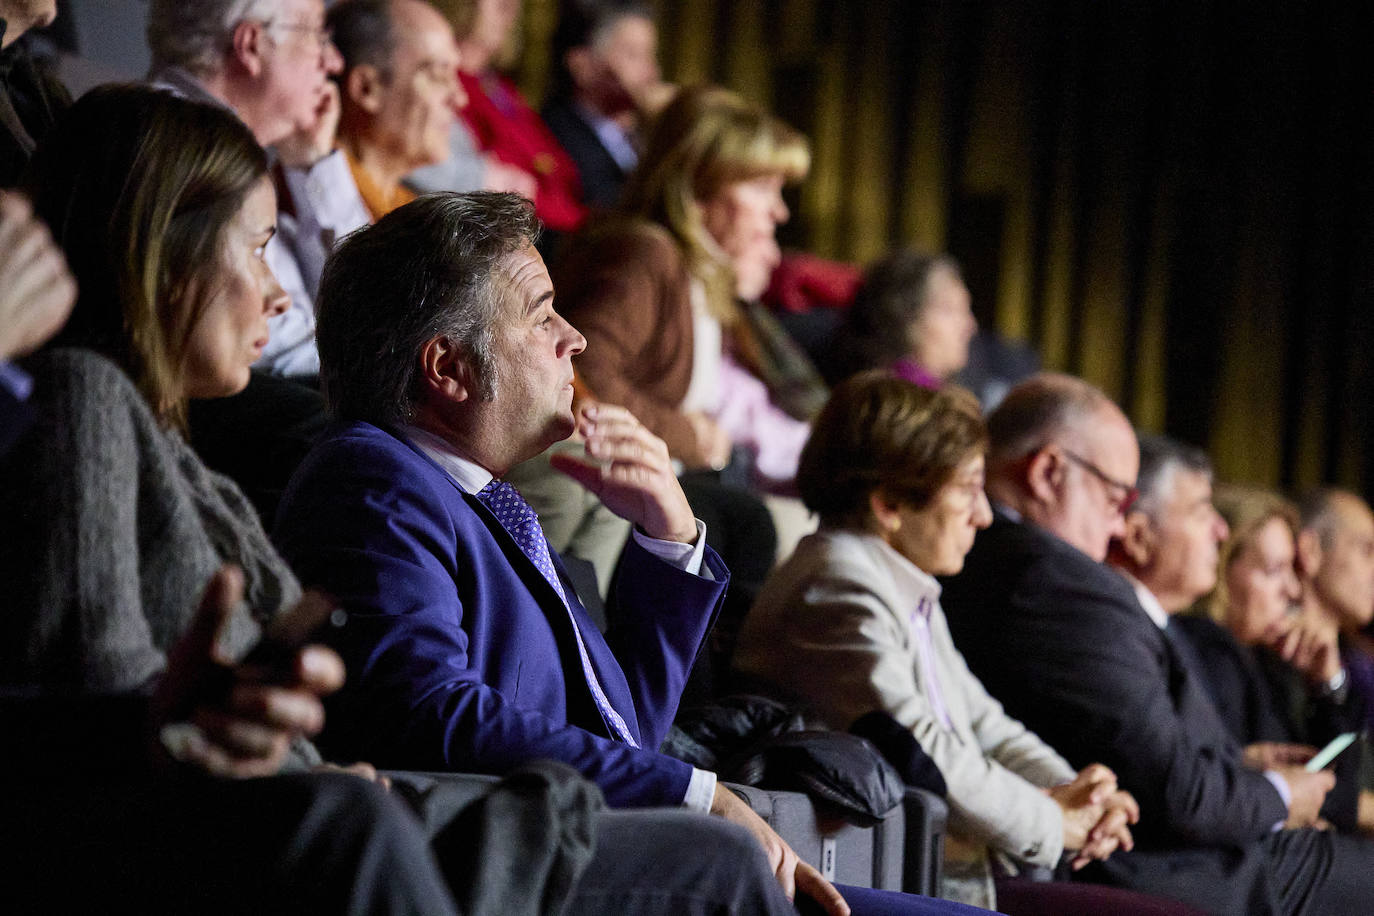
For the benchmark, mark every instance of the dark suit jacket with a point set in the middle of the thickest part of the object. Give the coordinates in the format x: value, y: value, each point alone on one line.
x: 1254, y: 691
x: 1062, y: 641
x: 459, y: 653
x: 602, y: 177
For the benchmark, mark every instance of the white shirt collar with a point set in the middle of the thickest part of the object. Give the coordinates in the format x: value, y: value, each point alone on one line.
x: 467, y: 474
x: 611, y: 135
x: 1147, y: 599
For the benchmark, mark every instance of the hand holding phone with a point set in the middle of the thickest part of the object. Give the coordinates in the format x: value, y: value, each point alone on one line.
x: 238, y: 720
x: 1332, y: 750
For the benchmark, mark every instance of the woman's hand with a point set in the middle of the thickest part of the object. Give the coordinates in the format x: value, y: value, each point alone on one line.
x: 237, y: 721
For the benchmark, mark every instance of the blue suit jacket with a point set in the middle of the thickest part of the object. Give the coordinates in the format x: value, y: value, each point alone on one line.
x: 460, y: 655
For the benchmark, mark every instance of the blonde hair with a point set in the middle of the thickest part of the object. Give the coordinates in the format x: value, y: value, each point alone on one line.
x: 706, y: 139
x: 1246, y: 511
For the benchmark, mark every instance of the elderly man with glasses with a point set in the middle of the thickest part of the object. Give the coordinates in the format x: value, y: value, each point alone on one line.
x: 1064, y: 642
x: 269, y: 61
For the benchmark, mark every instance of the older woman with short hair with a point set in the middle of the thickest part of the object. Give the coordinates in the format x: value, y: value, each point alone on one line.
x: 851, y: 623
x: 911, y: 316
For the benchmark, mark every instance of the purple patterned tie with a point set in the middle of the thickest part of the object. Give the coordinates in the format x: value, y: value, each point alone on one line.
x: 516, y: 516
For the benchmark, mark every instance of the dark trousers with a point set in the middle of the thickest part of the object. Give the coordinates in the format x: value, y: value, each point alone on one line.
x: 647, y: 862
x: 289, y: 844
x: 1289, y: 873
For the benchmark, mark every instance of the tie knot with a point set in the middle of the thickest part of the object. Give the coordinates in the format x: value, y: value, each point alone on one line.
x: 506, y: 503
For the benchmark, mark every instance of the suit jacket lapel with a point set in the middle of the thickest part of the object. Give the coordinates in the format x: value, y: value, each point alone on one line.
x: 557, y: 614
x: 543, y: 593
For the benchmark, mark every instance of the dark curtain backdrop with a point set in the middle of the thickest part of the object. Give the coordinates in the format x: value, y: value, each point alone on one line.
x: 1172, y: 200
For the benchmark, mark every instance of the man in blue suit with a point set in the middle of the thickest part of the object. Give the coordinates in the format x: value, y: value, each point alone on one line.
x: 444, y: 365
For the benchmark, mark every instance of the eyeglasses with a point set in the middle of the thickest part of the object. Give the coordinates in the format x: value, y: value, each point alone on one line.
x: 322, y: 34
x: 1121, y: 494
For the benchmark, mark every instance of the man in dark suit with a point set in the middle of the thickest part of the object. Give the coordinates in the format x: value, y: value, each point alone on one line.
x: 445, y: 364
x: 1063, y: 642
x: 1169, y: 554
x: 1335, y: 562
x: 606, y: 58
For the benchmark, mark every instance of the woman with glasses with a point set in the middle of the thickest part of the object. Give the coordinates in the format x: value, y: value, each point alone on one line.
x: 852, y: 623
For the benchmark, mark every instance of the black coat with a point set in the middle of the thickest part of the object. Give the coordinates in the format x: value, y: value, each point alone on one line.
x: 602, y: 177
x: 1063, y: 642
x: 1259, y: 698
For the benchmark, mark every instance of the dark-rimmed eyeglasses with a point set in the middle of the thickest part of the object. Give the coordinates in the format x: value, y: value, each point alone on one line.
x: 1121, y: 494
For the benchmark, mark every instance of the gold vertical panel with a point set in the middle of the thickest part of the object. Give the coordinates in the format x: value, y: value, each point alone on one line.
x: 1247, y: 424
x: 747, y: 64
x: 1148, y: 395
x: 694, y: 41
x: 1309, y: 463
x: 1056, y: 304
x: 793, y: 33
x: 1102, y: 334
x: 823, y: 195
x: 924, y: 219
x: 869, y: 189
x: 534, y: 70
x: 994, y: 161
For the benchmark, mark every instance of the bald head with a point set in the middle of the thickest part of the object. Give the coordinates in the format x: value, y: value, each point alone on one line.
x: 1336, y: 556
x: 1065, y: 457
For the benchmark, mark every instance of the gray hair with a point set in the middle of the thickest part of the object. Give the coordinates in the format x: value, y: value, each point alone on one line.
x: 194, y: 34
x: 1160, y: 458
x: 1317, y: 512
x: 425, y: 270
x: 1038, y: 412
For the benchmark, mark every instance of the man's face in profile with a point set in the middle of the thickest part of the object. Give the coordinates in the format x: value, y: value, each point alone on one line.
x: 532, y: 351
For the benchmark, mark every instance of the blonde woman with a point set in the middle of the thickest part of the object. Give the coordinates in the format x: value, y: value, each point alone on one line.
x: 654, y: 289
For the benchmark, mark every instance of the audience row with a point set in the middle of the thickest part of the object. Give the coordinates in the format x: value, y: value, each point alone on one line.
x: 297, y: 283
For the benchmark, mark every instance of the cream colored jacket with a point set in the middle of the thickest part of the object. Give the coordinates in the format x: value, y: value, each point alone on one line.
x: 833, y: 626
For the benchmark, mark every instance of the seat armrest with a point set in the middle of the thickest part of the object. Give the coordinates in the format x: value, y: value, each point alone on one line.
x: 926, y: 815
x: 858, y: 856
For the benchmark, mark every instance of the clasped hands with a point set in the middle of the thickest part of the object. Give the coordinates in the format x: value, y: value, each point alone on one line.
x: 1097, y: 815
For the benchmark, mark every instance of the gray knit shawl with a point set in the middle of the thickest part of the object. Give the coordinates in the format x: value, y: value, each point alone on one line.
x: 110, y: 528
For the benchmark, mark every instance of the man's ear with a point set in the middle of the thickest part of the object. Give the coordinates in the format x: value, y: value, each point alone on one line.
x: 1045, y: 475
x: 444, y: 372
x: 363, y: 88
x: 245, y: 45
x: 1137, y: 542
x: 1309, y: 553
